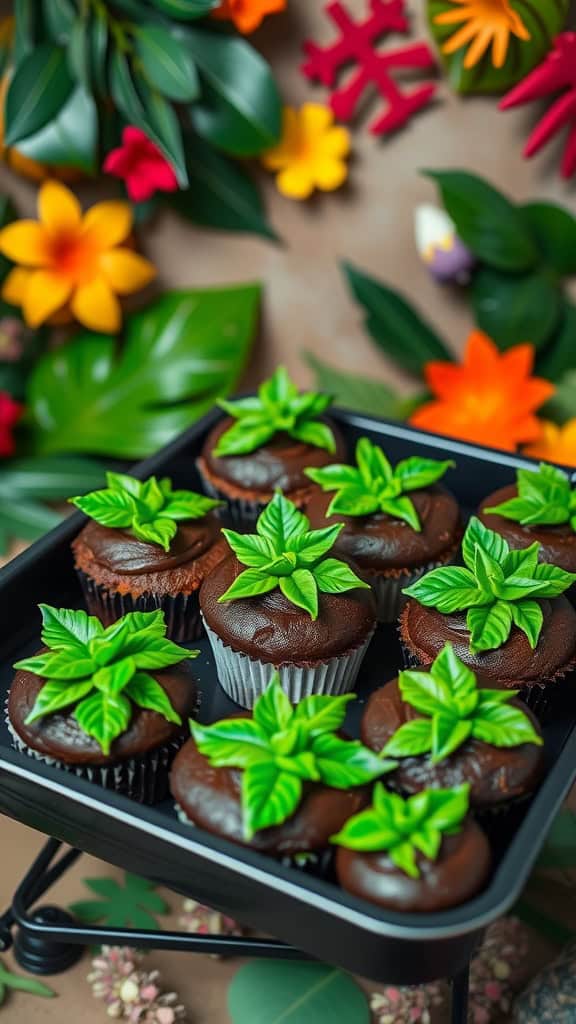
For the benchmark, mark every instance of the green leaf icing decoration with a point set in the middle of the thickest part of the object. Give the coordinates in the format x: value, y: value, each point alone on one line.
x: 373, y: 485
x: 281, y: 747
x: 278, y: 408
x: 497, y: 586
x: 103, y: 671
x: 456, y: 710
x: 286, y: 553
x: 149, y: 509
x: 404, y: 828
x: 545, y: 498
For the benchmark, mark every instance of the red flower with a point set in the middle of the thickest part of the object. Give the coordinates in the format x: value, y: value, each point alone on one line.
x: 141, y: 165
x: 10, y: 412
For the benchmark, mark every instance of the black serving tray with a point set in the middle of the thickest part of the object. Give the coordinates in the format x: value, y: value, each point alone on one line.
x: 311, y: 913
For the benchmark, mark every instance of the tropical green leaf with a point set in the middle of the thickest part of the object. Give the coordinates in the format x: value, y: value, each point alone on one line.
x: 179, y: 355
x: 132, y: 905
x: 185, y: 10
x: 70, y: 138
x: 267, y: 991
x: 37, y: 92
x: 59, y: 16
x: 516, y: 308
x: 557, y: 359
x: 166, y: 64
x: 554, y: 229
x: 362, y: 394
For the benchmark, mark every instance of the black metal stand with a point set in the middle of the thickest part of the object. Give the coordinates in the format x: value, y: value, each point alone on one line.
x: 49, y: 941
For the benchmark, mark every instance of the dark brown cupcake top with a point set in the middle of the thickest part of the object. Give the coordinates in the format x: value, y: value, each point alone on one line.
x: 278, y: 464
x: 211, y: 799
x: 495, y: 774
x: 381, y: 543
x: 59, y: 736
x: 460, y: 871
x: 425, y: 631
x: 270, y: 628
x: 118, y: 551
x: 558, y: 543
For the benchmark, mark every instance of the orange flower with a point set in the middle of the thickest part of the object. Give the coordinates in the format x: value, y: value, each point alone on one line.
x: 556, y: 444
x: 72, y: 262
x: 489, y: 399
x: 485, y: 22
x: 248, y: 15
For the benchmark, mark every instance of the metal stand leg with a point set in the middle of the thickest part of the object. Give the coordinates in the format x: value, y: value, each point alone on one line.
x: 460, y: 989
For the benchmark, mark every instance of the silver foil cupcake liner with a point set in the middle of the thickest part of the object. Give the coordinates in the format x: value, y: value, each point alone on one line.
x: 182, y: 613
x: 143, y: 779
x: 244, y: 679
x: 388, y: 592
x: 239, y: 511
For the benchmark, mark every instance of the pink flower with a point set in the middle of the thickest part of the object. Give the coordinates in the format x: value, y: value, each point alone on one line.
x: 10, y: 412
x: 141, y: 166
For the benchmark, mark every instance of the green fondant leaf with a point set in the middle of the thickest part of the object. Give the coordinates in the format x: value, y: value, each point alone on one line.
x: 411, y: 739
x: 273, y: 711
x: 416, y: 473
x: 322, y: 714
x: 503, y: 725
x: 478, y: 535
x: 250, y: 584
x: 254, y: 552
x: 335, y: 577
x: 234, y: 742
x: 544, y: 497
x: 448, y: 733
x: 344, y: 763
x: 449, y: 588
x: 314, y: 544
x: 332, y: 478
x: 528, y: 616
x: 269, y: 796
x: 57, y: 694
x: 103, y: 717
x: 145, y: 691
x: 354, y: 501
x: 489, y: 626
x: 67, y: 630
x: 319, y: 435
x: 301, y: 589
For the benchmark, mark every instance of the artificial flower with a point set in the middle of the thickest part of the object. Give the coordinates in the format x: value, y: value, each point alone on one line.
x: 248, y: 15
x: 490, y: 398
x: 482, y: 23
x: 141, y: 166
x: 444, y: 253
x: 311, y: 153
x: 556, y: 444
x: 10, y: 412
x: 72, y: 262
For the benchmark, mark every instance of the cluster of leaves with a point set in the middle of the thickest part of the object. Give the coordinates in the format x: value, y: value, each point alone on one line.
x: 499, y: 587
x: 281, y: 747
x: 545, y: 497
x: 150, y: 509
x: 285, y: 553
x: 200, y: 94
x: 374, y: 486
x: 404, y: 828
x: 524, y: 253
x: 102, y: 671
x: 278, y: 408
x: 132, y: 905
x: 456, y: 710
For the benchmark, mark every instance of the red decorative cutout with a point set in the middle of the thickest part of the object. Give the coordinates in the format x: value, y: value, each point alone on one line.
x: 356, y: 45
x: 556, y: 74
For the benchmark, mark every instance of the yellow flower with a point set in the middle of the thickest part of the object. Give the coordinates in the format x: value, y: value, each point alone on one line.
x: 72, y: 263
x: 311, y: 153
x: 556, y: 444
x: 485, y: 22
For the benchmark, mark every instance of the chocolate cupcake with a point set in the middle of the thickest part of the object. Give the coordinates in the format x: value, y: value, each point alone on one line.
x: 280, y: 781
x: 147, y: 547
x: 540, y: 506
x: 503, y: 614
x: 278, y: 603
x: 100, y: 702
x: 448, y: 726
x: 392, y: 538
x: 265, y: 444
x: 419, y: 855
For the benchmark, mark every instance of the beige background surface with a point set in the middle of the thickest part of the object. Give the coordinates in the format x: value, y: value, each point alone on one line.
x: 306, y: 307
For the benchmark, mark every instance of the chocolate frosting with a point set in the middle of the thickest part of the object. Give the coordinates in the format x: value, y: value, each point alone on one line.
x: 211, y: 798
x: 460, y: 871
x: 271, y: 629
x: 382, y: 543
x: 496, y: 774
x: 278, y: 464
x: 425, y: 631
x: 120, y: 552
x: 558, y: 542
x: 59, y: 736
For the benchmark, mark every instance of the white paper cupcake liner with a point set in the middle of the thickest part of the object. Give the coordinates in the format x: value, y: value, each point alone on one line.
x: 388, y: 589
x: 144, y: 779
x: 244, y: 679
x: 181, y: 613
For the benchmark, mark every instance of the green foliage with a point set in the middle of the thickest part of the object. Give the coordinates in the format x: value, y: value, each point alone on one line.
x: 179, y: 355
x: 285, y: 553
x: 40, y: 87
x: 455, y: 711
x: 18, y: 983
x: 282, y: 746
x: 151, y: 510
x: 293, y: 992
x: 69, y: 138
x: 363, y: 394
x: 374, y: 486
x: 542, y: 20
x: 132, y: 905
x: 404, y: 828
x: 544, y: 497
x: 278, y: 408
x: 102, y: 671
x: 496, y: 587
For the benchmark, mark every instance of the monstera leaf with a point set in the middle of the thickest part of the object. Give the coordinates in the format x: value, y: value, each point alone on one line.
x: 542, y: 21
x: 179, y: 355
